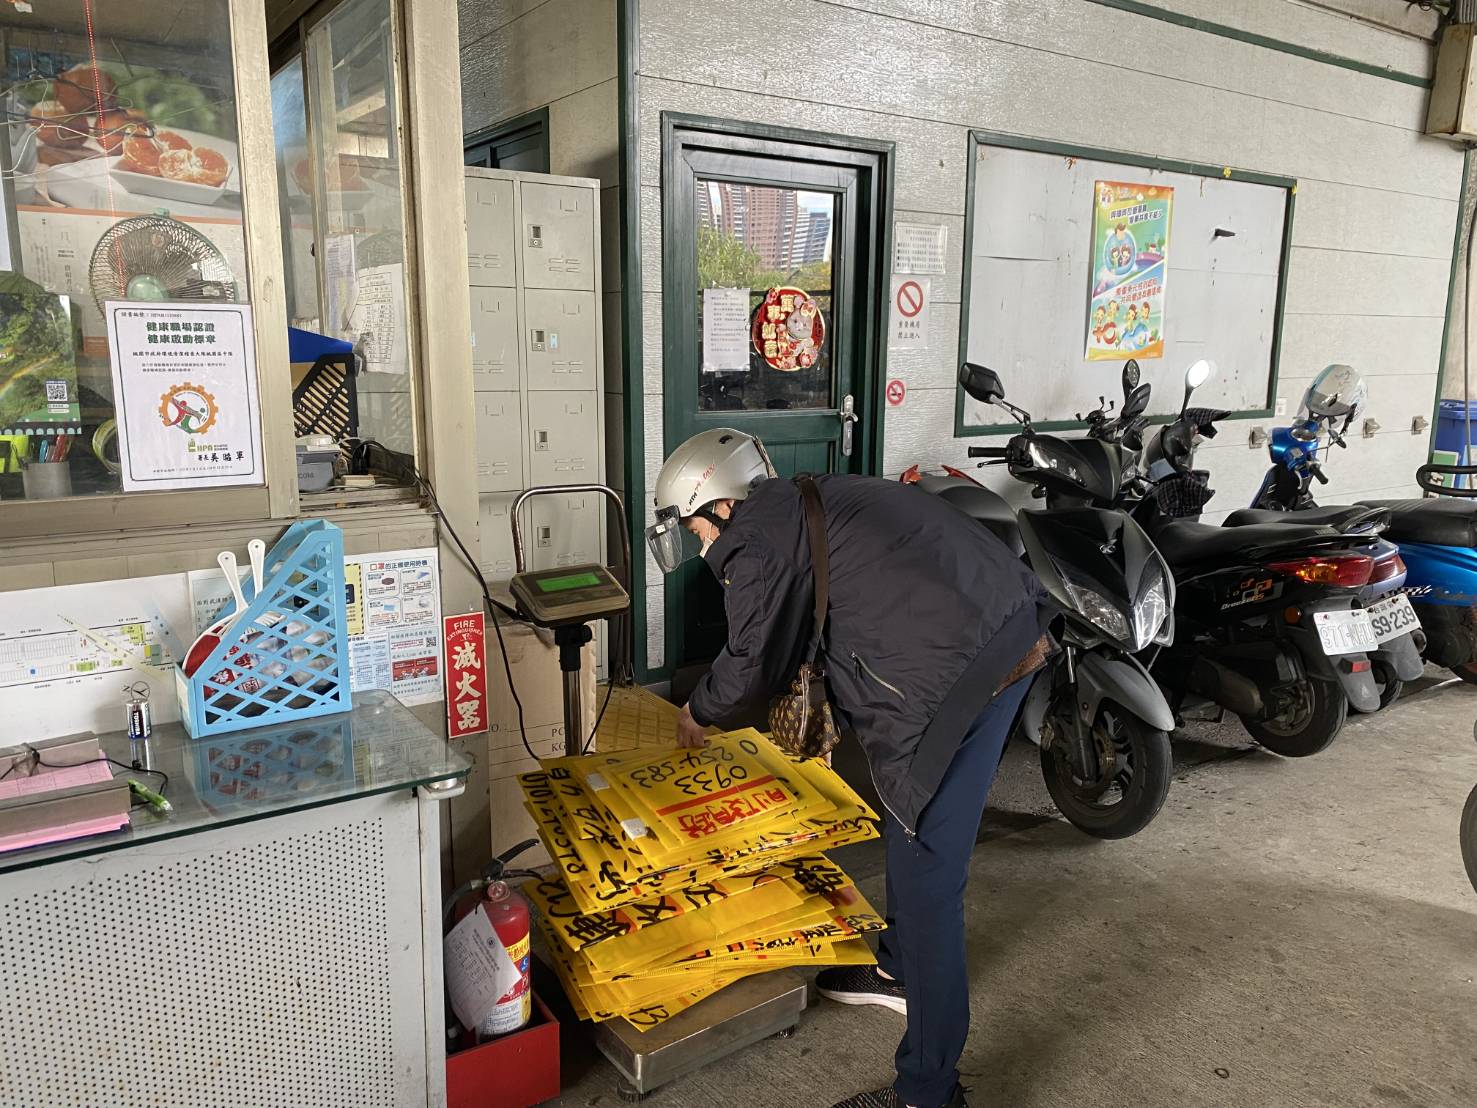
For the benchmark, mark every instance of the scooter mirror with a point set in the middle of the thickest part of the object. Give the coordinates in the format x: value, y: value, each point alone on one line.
x: 981, y: 383
x: 1195, y: 376
x: 1130, y: 376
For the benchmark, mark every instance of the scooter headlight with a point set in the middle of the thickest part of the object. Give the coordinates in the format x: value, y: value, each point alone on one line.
x: 1099, y: 609
x: 1151, y: 615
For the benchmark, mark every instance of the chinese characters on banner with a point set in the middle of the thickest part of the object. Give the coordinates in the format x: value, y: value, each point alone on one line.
x: 466, y: 674
x: 1129, y: 263
x: 184, y: 385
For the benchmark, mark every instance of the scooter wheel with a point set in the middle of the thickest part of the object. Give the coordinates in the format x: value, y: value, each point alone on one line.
x: 1306, y: 729
x: 1126, y: 804
x: 1467, y: 672
x: 1469, y: 837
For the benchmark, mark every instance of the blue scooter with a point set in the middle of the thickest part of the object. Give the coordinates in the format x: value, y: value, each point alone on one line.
x: 1437, y: 537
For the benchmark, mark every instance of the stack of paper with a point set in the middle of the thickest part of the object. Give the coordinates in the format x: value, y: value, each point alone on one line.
x: 682, y: 871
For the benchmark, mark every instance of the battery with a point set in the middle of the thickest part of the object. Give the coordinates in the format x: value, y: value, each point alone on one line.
x: 140, y: 719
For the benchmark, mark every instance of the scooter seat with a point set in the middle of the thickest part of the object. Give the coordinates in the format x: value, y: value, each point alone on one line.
x: 1439, y: 521
x: 1339, y: 515
x: 979, y: 503
x: 1185, y: 542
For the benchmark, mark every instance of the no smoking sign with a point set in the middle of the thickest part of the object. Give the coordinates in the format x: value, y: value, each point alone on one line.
x: 911, y: 303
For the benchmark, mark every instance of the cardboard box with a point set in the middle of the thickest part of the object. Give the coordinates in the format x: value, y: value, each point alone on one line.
x: 534, y: 661
x: 511, y: 823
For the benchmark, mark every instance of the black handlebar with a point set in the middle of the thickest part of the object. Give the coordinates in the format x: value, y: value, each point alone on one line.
x: 987, y: 452
x: 1317, y: 471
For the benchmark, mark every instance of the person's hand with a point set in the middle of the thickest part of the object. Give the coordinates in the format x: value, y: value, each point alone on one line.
x: 689, y: 731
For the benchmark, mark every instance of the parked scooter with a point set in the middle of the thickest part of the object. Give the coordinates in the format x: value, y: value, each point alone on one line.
x: 1101, y: 722
x: 1437, y: 537
x: 1269, y: 624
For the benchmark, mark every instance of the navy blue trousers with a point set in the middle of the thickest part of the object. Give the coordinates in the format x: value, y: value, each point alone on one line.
x: 923, y: 946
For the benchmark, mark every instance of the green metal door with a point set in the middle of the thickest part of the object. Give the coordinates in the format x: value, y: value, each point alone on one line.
x: 777, y: 242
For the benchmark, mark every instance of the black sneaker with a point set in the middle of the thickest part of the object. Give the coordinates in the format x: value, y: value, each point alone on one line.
x: 861, y: 985
x: 887, y: 1098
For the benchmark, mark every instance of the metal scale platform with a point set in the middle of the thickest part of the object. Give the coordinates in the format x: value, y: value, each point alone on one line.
x: 564, y: 600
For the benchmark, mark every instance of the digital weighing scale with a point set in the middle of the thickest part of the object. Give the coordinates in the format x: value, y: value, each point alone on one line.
x: 564, y: 600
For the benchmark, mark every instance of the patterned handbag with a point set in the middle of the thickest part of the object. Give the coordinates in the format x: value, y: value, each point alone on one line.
x: 800, y: 721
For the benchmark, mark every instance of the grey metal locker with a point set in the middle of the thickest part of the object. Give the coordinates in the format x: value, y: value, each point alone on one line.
x: 491, y: 232
x: 557, y: 236
x: 494, y: 339
x: 560, y: 340
x: 498, y: 563
x: 537, y: 359
x: 499, y: 441
x: 564, y: 530
x: 563, y: 437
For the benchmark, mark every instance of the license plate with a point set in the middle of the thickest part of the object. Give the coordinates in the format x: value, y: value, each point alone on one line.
x: 1392, y: 617
x: 1345, y: 632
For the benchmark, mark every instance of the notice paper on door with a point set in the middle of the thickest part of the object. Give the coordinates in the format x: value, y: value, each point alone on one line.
x: 725, y: 330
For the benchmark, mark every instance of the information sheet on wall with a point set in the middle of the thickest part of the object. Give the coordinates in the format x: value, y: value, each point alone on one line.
x: 184, y: 383
x: 1130, y: 252
x: 919, y: 247
x: 394, y: 614
x: 67, y: 652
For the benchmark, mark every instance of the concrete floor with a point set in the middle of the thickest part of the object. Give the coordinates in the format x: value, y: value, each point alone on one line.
x: 1287, y: 932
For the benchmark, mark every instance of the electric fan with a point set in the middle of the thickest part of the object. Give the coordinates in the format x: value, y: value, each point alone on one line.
x: 154, y: 257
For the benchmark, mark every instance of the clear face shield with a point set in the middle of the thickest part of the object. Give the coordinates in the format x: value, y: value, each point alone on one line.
x: 670, y: 543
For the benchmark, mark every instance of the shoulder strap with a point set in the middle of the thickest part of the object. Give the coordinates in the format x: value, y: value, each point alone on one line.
x: 820, y: 562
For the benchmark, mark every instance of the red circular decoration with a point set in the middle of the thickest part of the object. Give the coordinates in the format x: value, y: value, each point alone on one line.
x: 788, y: 329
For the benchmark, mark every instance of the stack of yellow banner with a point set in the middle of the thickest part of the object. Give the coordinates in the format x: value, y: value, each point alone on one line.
x: 682, y: 871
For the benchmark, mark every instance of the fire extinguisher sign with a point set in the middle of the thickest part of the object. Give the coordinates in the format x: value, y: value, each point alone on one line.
x: 465, y: 639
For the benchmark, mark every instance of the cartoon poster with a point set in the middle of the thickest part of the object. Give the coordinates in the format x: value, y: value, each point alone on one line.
x: 1130, y: 260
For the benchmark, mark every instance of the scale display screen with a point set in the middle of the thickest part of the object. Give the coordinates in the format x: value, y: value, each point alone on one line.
x: 569, y: 581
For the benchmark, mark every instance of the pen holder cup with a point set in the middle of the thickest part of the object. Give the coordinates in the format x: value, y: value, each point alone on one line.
x: 46, y: 480
x: 285, y: 657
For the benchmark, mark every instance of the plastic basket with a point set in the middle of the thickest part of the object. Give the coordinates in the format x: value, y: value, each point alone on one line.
x: 286, y: 657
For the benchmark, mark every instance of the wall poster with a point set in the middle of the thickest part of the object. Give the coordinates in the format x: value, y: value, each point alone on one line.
x: 1130, y: 252
x: 184, y: 383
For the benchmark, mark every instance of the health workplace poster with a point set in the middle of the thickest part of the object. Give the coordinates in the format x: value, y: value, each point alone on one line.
x: 1130, y: 260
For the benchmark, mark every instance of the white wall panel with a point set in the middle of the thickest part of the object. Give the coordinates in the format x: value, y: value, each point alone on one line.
x: 1375, y: 207
x: 1099, y: 33
x: 915, y: 71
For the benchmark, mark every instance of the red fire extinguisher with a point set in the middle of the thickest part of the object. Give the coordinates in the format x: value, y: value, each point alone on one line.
x: 507, y: 911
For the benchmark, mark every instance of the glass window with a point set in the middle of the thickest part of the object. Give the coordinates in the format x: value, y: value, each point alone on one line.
x: 120, y: 182
x: 775, y: 243
x: 356, y: 194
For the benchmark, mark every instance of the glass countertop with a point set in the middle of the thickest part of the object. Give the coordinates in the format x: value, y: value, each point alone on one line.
x: 377, y: 747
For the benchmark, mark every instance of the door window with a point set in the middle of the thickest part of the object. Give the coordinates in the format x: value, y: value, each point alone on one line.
x: 773, y: 247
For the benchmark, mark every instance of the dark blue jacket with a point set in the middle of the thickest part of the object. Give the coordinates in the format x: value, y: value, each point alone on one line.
x: 929, y: 613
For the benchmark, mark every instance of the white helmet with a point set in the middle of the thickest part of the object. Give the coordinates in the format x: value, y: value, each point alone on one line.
x: 721, y: 464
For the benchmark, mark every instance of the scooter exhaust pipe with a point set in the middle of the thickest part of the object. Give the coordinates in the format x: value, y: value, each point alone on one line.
x: 1227, y: 688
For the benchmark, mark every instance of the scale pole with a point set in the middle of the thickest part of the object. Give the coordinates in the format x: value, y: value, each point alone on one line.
x: 571, y: 639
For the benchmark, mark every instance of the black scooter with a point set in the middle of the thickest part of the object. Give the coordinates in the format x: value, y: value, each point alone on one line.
x: 1101, y: 722
x: 1269, y: 621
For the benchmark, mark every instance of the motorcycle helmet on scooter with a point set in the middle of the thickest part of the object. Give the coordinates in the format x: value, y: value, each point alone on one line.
x: 721, y: 464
